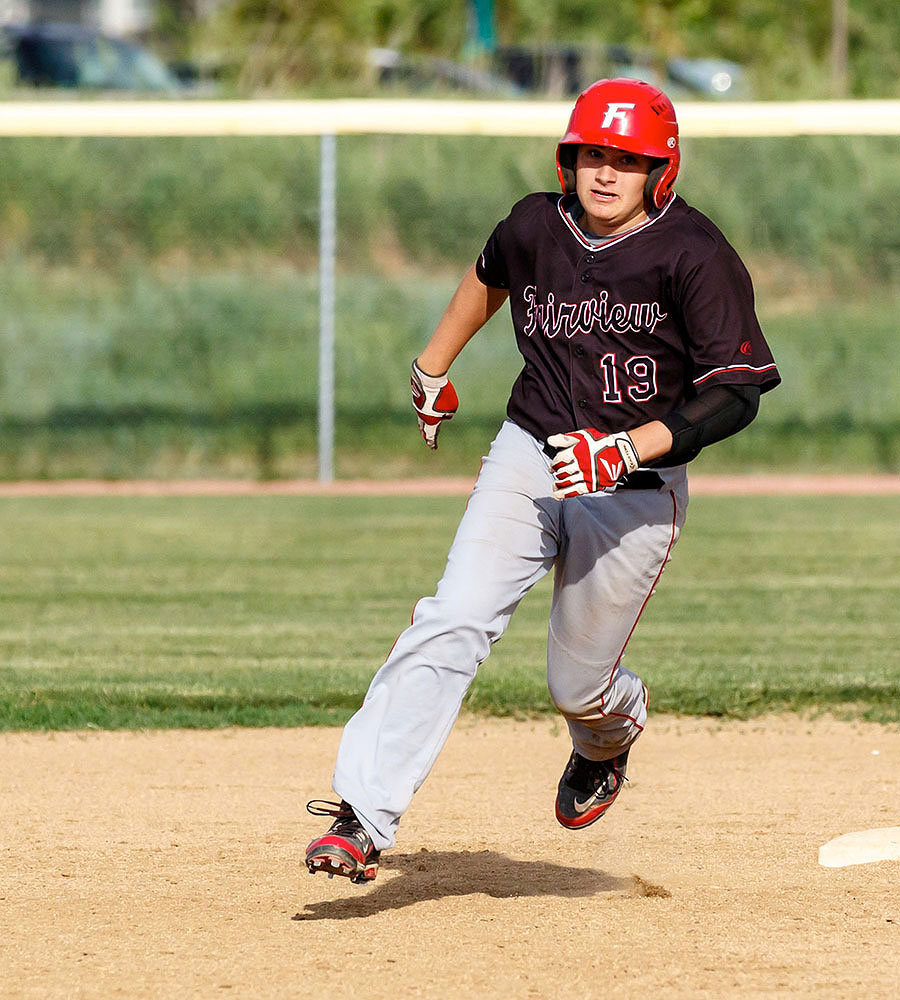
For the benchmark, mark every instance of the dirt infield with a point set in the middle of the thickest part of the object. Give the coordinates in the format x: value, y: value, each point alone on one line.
x: 167, y: 864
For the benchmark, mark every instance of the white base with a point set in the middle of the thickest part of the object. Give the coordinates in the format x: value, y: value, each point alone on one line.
x: 861, y: 847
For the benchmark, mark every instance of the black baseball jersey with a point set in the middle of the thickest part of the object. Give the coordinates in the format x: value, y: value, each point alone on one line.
x: 622, y: 332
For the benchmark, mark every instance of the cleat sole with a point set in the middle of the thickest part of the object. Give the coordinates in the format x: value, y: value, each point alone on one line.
x: 333, y: 864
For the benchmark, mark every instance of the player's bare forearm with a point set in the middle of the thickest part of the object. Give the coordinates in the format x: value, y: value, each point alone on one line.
x: 471, y: 307
x: 652, y: 440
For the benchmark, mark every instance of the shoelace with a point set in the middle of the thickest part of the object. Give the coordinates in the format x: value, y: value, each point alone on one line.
x: 324, y: 807
x: 345, y: 820
x: 582, y: 772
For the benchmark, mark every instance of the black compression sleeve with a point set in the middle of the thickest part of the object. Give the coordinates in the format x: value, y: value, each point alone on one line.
x: 717, y: 413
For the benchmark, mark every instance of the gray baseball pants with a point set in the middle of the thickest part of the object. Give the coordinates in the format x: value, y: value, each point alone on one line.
x: 607, y: 551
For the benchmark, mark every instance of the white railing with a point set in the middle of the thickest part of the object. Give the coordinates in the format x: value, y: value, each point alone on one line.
x: 423, y: 117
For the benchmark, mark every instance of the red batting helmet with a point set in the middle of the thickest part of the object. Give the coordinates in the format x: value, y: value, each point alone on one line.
x: 624, y: 114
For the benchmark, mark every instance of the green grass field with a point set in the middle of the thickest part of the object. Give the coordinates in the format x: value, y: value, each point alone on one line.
x: 207, y: 612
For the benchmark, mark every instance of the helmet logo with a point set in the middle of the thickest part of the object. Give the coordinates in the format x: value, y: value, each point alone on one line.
x: 615, y: 111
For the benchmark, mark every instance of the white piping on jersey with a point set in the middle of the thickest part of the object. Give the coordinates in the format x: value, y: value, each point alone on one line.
x: 757, y: 370
x: 612, y: 240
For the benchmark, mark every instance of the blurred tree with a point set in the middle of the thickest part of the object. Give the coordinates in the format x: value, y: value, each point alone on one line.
x: 173, y: 26
x: 291, y: 43
x: 788, y: 48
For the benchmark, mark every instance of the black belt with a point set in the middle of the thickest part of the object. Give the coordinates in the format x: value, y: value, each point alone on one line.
x: 643, y: 479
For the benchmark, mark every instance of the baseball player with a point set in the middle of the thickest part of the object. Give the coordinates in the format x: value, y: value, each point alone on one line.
x: 635, y: 320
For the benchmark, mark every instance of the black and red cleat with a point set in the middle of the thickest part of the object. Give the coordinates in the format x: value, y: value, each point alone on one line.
x: 346, y: 849
x: 588, y: 788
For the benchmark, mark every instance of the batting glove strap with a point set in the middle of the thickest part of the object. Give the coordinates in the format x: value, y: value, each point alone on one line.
x: 434, y: 400
x: 627, y: 450
x: 590, y: 462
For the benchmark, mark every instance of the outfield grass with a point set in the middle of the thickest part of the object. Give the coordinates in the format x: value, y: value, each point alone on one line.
x: 207, y: 612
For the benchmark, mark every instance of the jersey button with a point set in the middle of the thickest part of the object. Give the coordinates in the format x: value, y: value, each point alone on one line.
x: 582, y: 404
x: 579, y: 351
x: 589, y: 258
x: 586, y: 277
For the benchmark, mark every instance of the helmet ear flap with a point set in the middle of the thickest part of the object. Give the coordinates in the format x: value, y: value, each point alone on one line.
x: 653, y: 178
x: 566, y: 155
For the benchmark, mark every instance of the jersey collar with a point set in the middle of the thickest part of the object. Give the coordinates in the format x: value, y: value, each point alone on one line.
x: 613, y: 240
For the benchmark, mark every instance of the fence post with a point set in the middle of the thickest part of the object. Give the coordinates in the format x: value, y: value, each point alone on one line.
x: 327, y: 253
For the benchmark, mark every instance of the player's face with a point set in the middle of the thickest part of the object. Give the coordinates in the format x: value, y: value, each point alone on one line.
x: 610, y: 186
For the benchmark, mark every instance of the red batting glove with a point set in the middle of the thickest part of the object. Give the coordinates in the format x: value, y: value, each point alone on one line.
x: 590, y: 462
x: 435, y: 401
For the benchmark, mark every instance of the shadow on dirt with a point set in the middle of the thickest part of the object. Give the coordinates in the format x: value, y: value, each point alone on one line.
x: 437, y: 874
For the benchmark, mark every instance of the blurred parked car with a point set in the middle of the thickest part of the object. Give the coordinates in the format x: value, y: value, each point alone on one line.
x: 72, y: 56
x: 565, y: 70
x: 561, y: 71
x: 425, y: 73
x: 714, y: 78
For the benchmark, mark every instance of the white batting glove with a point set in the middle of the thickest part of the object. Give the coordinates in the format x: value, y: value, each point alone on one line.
x: 590, y: 462
x: 434, y: 400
